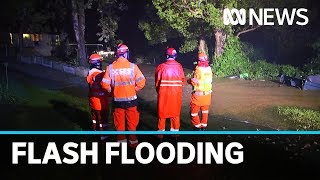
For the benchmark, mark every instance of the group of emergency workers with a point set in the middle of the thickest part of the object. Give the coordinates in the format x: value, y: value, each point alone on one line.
x: 122, y: 79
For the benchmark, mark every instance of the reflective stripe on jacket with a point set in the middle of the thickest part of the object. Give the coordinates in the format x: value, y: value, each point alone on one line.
x: 124, y: 79
x: 202, y: 86
x: 169, y: 80
x: 98, y: 97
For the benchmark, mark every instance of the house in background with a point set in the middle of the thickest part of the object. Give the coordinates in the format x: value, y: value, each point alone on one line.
x: 34, y: 44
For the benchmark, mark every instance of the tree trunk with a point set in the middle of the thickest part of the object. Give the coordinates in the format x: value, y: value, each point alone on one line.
x: 20, y: 33
x: 20, y: 46
x: 220, y: 38
x: 79, y: 29
x: 202, y: 48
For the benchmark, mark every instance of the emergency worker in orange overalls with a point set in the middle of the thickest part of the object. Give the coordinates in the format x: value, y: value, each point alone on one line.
x: 98, y: 97
x: 169, y: 80
x: 201, y: 95
x: 123, y: 79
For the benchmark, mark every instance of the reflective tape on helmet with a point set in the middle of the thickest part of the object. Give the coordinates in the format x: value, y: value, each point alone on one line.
x: 122, y: 48
x: 95, y: 57
x: 125, y: 99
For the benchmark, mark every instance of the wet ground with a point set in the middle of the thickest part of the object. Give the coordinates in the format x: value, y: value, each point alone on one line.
x: 236, y: 104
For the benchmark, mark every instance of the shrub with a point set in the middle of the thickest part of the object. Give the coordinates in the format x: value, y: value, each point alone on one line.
x: 233, y: 61
x: 263, y: 70
x: 313, y: 67
x: 290, y: 71
x: 303, y: 119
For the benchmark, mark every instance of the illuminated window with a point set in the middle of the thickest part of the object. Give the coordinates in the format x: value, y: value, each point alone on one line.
x: 35, y: 37
x: 26, y: 36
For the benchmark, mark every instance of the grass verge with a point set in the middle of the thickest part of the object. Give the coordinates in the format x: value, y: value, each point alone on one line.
x: 27, y: 107
x: 301, y: 118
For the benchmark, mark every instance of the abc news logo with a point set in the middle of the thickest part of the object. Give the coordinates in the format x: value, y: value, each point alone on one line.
x: 266, y: 17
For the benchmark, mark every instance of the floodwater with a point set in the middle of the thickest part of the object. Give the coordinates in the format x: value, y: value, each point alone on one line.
x: 255, y: 101
x: 240, y: 104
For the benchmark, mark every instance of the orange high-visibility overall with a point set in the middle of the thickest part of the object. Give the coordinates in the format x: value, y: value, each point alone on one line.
x: 169, y: 80
x: 201, y: 96
x: 123, y: 79
x: 98, y: 100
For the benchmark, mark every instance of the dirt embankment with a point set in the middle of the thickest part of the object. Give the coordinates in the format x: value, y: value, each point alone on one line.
x: 251, y: 102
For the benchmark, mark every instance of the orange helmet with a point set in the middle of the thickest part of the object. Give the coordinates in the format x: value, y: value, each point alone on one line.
x: 202, y: 57
x: 95, y: 61
x: 94, y: 58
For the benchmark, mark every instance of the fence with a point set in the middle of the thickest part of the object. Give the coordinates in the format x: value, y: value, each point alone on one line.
x: 59, y: 66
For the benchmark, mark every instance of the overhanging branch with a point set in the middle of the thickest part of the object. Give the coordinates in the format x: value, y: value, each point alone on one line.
x: 247, y: 30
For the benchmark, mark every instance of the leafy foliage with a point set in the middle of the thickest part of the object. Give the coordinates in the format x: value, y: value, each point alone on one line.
x: 155, y: 30
x: 191, y: 19
x: 314, y: 66
x: 263, y: 70
x: 289, y: 71
x: 109, y: 11
x: 303, y: 119
x: 233, y: 61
